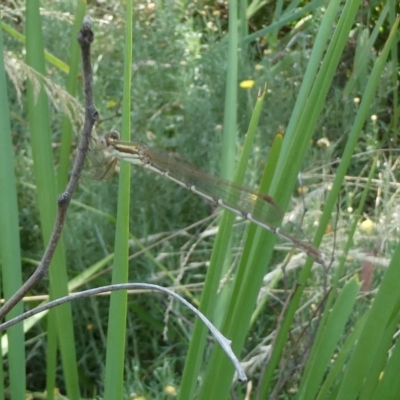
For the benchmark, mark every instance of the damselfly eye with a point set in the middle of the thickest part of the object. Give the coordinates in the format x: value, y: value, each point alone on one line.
x: 112, y: 137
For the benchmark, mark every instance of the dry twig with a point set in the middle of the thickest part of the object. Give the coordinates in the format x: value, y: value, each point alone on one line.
x: 85, y: 39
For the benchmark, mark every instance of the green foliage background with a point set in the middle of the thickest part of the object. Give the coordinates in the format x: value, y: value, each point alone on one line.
x: 178, y: 103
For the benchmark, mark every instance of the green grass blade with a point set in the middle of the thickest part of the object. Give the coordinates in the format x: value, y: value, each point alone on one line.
x: 2, y: 391
x: 295, y: 145
x: 268, y: 175
x: 311, y: 98
x: 363, y: 53
x: 395, y: 56
x: 356, y: 373
x: 118, y: 303
x: 338, y: 366
x: 209, y: 298
x: 229, y: 143
x: 378, y: 365
x: 354, y: 135
x: 353, y: 227
x: 317, y: 364
x: 61, y: 65
x: 247, y: 280
x: 244, y: 29
x: 253, y: 264
x: 39, y: 122
x: 359, y: 362
x: 10, y: 254
x: 51, y: 359
x: 386, y: 303
x: 229, y: 139
x: 217, y: 385
x: 389, y: 384
x: 312, y: 374
x: 325, y: 343
x: 286, y: 19
x: 301, y: 126
x: 224, y: 298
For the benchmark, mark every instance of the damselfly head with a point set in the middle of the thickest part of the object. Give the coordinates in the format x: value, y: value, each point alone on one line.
x: 112, y: 137
x: 100, y: 162
x: 109, y: 139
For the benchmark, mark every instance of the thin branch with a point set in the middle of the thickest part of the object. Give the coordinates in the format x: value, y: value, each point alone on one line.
x: 221, y: 339
x: 85, y: 39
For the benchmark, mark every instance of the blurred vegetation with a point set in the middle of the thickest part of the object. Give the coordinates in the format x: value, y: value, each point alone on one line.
x: 177, y: 104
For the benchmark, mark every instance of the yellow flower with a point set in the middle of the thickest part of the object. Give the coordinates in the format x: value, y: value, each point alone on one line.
x: 323, y: 142
x: 367, y: 226
x: 247, y: 84
x: 302, y: 190
x: 170, y: 390
x: 111, y: 104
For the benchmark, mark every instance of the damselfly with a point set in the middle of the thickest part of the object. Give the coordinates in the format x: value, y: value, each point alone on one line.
x: 255, y: 207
